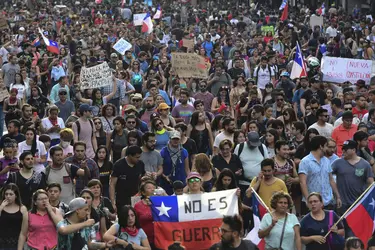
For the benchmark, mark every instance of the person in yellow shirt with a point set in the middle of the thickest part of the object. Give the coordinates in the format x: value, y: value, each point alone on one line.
x: 266, y: 184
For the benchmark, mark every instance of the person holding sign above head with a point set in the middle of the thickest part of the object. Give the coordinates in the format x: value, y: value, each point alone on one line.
x: 231, y: 238
x: 98, y: 100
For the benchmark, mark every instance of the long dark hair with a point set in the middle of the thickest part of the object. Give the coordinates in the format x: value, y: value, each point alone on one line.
x: 135, y: 134
x: 306, y: 139
x: 101, y: 130
x: 194, y: 118
x: 219, y: 182
x: 15, y: 189
x: 33, y: 145
x: 106, y: 159
x: 123, y: 217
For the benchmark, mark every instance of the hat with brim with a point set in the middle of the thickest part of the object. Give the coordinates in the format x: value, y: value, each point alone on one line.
x: 253, y: 139
x: 194, y: 175
x: 75, y: 204
x: 349, y: 144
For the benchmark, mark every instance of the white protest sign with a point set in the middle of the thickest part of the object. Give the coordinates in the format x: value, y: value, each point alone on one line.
x: 95, y: 77
x: 316, y: 21
x: 122, y: 46
x: 138, y: 19
x: 339, y: 70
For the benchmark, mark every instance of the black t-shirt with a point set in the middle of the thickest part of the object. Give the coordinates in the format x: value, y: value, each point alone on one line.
x: 19, y: 138
x: 105, y: 172
x: 28, y: 186
x: 319, y: 95
x: 128, y: 180
x: 234, y: 164
x: 245, y: 245
x: 191, y: 147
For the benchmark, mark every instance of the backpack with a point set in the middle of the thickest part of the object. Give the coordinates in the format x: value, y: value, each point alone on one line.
x: 269, y: 70
x: 79, y: 128
x: 67, y: 168
x: 242, y: 144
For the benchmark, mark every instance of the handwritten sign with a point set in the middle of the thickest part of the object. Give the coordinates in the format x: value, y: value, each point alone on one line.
x: 122, y: 46
x: 3, y: 94
x: 95, y: 77
x: 189, y: 65
x: 138, y: 19
x: 188, y: 43
x: 3, y: 23
x: 339, y: 70
x: 316, y: 21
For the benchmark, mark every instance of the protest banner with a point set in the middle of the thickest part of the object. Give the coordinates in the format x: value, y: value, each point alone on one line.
x: 3, y: 23
x: 138, y: 19
x: 189, y: 65
x: 188, y: 43
x: 316, y: 21
x: 193, y: 219
x: 339, y: 70
x: 95, y: 77
x: 122, y: 46
x: 3, y: 94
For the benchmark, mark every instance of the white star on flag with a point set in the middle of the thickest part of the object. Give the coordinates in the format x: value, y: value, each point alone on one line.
x: 163, y: 210
x: 372, y: 203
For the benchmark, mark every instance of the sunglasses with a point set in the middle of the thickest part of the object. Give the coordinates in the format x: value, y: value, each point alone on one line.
x: 192, y: 180
x: 62, y: 93
x: 136, y: 100
x: 348, y: 109
x: 131, y: 122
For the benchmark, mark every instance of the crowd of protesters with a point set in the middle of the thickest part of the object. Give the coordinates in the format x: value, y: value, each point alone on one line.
x: 78, y: 166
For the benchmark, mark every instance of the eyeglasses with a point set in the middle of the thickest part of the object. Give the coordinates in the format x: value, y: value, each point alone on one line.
x: 136, y: 100
x: 42, y: 199
x: 131, y: 122
x: 159, y: 124
x: 348, y: 109
x: 152, y: 141
x: 192, y: 180
x: 62, y: 93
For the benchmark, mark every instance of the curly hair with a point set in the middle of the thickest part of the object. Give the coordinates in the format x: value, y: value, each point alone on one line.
x: 279, y: 195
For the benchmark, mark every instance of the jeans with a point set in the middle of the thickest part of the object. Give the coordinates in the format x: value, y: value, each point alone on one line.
x: 1, y: 120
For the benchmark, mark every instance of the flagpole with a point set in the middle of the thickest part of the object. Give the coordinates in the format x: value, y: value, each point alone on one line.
x: 260, y: 199
x: 347, y: 211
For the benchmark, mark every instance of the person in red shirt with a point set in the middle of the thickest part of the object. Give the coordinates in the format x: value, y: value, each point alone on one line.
x: 360, y: 109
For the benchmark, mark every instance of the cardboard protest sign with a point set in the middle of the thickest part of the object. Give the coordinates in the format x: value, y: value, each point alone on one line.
x: 188, y: 43
x: 122, y: 46
x: 189, y: 65
x: 316, y: 21
x: 138, y: 19
x: 3, y: 94
x: 336, y: 69
x: 3, y: 23
x: 95, y: 77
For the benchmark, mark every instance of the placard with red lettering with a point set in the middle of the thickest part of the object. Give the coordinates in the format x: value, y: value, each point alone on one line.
x: 340, y: 70
x: 192, y: 219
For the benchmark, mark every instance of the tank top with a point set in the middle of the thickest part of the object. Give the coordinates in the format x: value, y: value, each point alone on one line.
x: 201, y: 139
x: 9, y: 233
x: 208, y: 185
x: 282, y: 170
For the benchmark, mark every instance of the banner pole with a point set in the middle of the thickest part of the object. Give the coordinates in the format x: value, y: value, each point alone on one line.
x: 260, y: 199
x: 348, y: 210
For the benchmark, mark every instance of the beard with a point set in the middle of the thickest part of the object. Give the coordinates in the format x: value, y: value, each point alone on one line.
x: 149, y: 106
x: 227, y: 243
x: 230, y: 130
x: 152, y: 148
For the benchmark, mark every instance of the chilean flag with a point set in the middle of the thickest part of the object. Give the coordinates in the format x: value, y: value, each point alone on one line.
x: 299, y: 66
x: 322, y: 10
x: 284, y: 15
x: 361, y: 217
x: 52, y: 46
x: 259, y: 210
x: 147, y: 26
x: 192, y: 219
x: 283, y: 4
x: 158, y: 13
x: 36, y: 42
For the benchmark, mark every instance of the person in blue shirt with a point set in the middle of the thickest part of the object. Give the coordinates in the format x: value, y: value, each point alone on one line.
x: 154, y: 90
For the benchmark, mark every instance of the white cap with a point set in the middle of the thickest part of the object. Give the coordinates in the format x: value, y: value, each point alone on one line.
x: 22, y: 29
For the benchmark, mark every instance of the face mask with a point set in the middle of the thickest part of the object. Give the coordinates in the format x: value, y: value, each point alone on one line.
x: 65, y: 144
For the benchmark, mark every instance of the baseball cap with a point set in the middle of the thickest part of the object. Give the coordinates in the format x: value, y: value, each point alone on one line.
x: 163, y: 105
x: 75, y: 204
x: 22, y: 29
x: 194, y: 175
x: 253, y: 139
x: 178, y: 185
x: 285, y: 74
x: 84, y: 108
x: 62, y: 90
x: 114, y: 55
x: 175, y: 135
x: 349, y: 144
x: 136, y: 96
x: 361, y: 82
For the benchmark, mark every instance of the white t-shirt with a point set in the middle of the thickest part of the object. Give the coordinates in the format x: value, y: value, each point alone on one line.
x: 20, y: 88
x: 220, y: 137
x: 325, y: 131
x: 46, y: 123
x: 332, y: 32
x: 4, y: 54
x: 251, y: 159
x: 41, y: 151
x: 263, y: 76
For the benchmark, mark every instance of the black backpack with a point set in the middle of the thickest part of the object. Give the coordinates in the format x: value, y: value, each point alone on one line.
x: 78, y: 124
x: 242, y: 144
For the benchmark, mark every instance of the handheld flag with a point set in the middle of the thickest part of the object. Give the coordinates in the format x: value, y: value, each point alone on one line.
x: 322, y: 10
x: 36, y: 42
x: 158, y: 13
x: 283, y: 4
x: 299, y: 66
x: 52, y: 46
x: 259, y: 210
x: 284, y: 15
x: 194, y: 219
x: 147, y: 25
x: 360, y: 218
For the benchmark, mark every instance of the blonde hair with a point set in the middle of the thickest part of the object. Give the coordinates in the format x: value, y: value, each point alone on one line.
x: 66, y: 134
